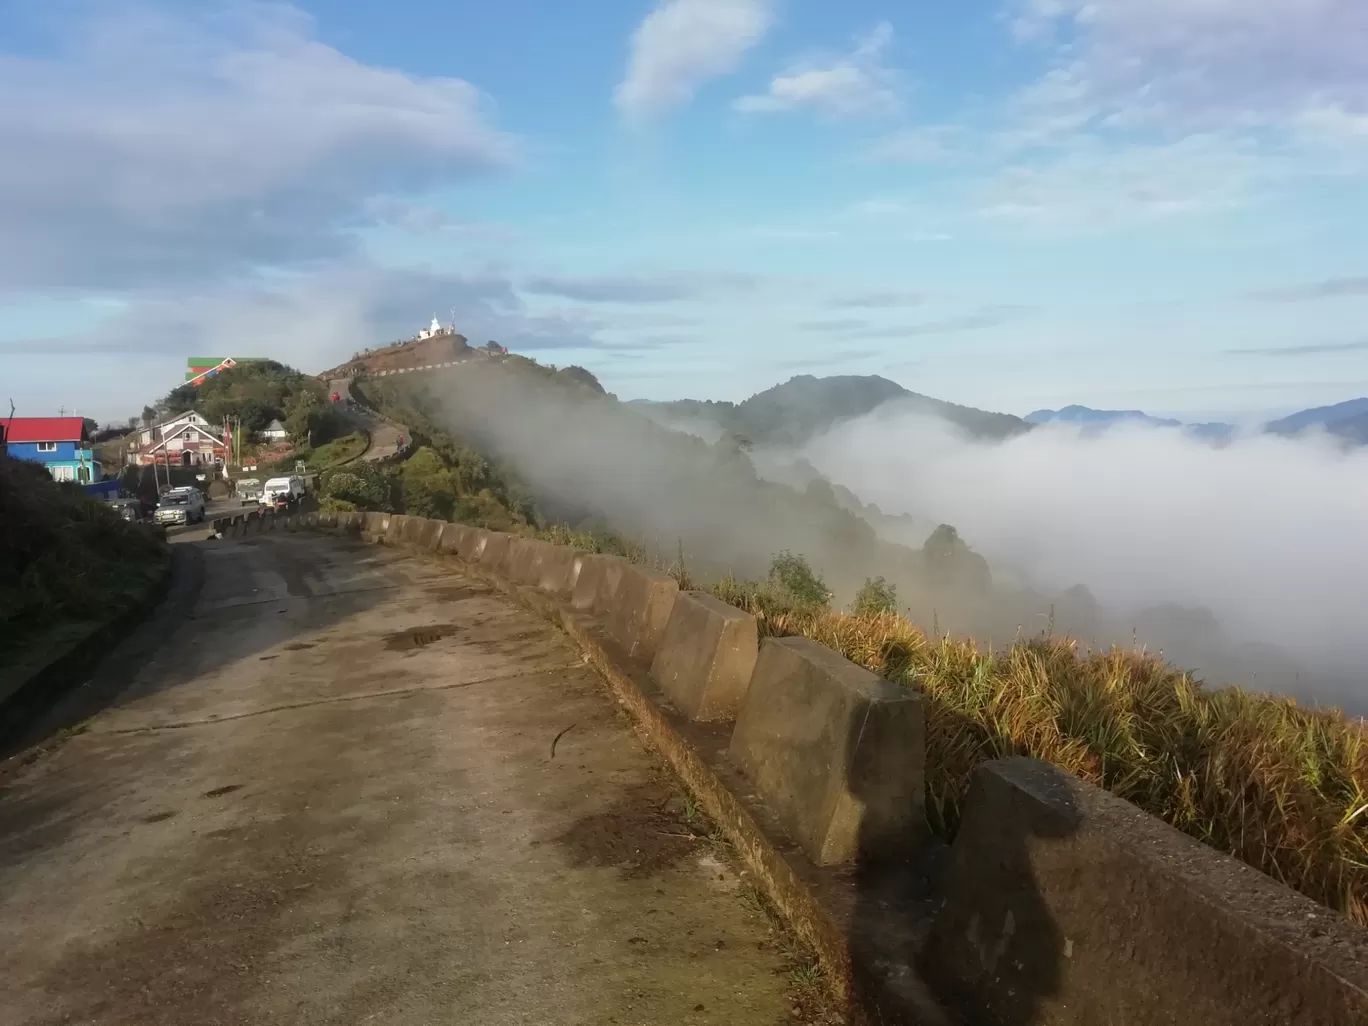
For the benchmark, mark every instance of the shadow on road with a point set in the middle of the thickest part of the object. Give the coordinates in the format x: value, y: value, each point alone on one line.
x: 959, y: 934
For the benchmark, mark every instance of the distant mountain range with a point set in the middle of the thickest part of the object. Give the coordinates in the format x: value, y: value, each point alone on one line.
x: 1094, y: 421
x: 1347, y: 420
x: 804, y: 406
x: 791, y: 413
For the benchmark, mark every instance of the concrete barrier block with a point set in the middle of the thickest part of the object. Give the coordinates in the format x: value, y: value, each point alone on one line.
x: 1063, y: 904
x: 597, y: 583
x: 838, y: 752
x: 706, y: 657
x: 374, y: 525
x: 412, y: 533
x: 453, y: 537
x: 557, y: 569
x: 472, y: 544
x: 430, y: 534
x: 640, y: 608
x: 394, y: 533
x: 494, y: 550
x: 351, y: 523
x: 523, y: 559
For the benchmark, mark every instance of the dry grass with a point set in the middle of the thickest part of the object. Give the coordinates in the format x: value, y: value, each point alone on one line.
x: 1280, y: 786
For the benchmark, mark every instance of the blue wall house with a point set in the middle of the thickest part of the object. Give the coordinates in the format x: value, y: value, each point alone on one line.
x: 59, y: 443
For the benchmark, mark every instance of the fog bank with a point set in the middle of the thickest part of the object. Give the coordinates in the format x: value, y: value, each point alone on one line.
x: 1269, y: 534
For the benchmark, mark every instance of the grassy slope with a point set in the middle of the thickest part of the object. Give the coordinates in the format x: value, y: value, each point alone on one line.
x: 66, y: 563
x: 330, y: 454
x: 1281, y: 787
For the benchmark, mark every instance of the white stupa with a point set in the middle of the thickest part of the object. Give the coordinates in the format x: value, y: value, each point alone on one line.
x: 432, y: 330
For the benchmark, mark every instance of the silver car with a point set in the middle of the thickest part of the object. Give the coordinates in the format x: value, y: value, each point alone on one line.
x: 180, y: 506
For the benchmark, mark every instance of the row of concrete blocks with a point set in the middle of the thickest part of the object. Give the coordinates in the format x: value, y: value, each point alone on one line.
x: 240, y: 525
x: 1061, y: 903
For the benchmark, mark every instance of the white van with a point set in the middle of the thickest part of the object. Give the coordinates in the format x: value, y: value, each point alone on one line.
x: 282, y: 491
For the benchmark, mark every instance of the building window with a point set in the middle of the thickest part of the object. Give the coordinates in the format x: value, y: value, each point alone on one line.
x: 47, y: 446
x: 62, y: 473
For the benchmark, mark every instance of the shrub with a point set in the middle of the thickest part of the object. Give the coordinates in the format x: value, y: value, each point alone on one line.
x: 793, y: 575
x: 363, y: 487
x: 875, y: 597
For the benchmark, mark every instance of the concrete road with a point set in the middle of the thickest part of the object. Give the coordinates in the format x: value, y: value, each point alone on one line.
x: 348, y: 788
x: 384, y: 436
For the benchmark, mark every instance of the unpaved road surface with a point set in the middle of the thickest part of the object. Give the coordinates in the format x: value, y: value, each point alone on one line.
x: 330, y: 797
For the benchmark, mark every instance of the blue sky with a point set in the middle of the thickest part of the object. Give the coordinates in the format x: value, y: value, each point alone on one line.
x: 1009, y: 204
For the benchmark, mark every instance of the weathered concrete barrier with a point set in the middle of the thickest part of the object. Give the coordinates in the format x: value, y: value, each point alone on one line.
x: 430, y: 534
x: 493, y: 550
x: 521, y: 558
x: 412, y: 531
x: 453, y: 537
x: 394, y: 531
x: 374, y: 526
x: 597, y: 582
x: 706, y: 657
x: 1064, y: 904
x: 835, y: 750
x: 558, y: 569
x: 472, y: 544
x: 639, y: 609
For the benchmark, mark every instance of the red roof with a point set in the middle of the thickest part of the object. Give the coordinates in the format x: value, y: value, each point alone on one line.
x: 43, y: 429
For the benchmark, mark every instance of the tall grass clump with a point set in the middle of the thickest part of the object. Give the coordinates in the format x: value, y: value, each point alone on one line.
x: 1282, y: 787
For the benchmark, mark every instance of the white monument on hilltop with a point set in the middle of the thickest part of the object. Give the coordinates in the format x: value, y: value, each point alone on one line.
x: 432, y: 330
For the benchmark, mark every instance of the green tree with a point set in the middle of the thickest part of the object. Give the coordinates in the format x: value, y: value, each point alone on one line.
x: 792, y: 574
x: 874, y: 597
x: 299, y: 416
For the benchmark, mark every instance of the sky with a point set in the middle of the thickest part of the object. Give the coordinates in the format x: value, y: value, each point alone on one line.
x: 1011, y: 204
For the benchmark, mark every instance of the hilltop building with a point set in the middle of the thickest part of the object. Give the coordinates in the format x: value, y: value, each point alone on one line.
x: 199, y: 369
x: 60, y: 444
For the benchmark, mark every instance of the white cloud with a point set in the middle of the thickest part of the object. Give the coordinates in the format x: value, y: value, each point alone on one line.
x: 154, y: 147
x: 1200, y: 62
x: 852, y: 85
x: 1265, y: 533
x: 1093, y: 185
x: 319, y: 317
x: 683, y: 43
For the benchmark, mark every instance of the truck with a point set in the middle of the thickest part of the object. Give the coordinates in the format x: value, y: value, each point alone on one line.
x: 283, y: 492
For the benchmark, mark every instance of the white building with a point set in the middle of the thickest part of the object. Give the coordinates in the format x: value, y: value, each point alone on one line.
x: 187, y: 439
x: 432, y: 330
x: 274, y: 432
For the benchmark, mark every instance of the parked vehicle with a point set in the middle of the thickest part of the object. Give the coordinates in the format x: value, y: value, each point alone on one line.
x: 283, y: 492
x: 249, y: 491
x: 180, y: 506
